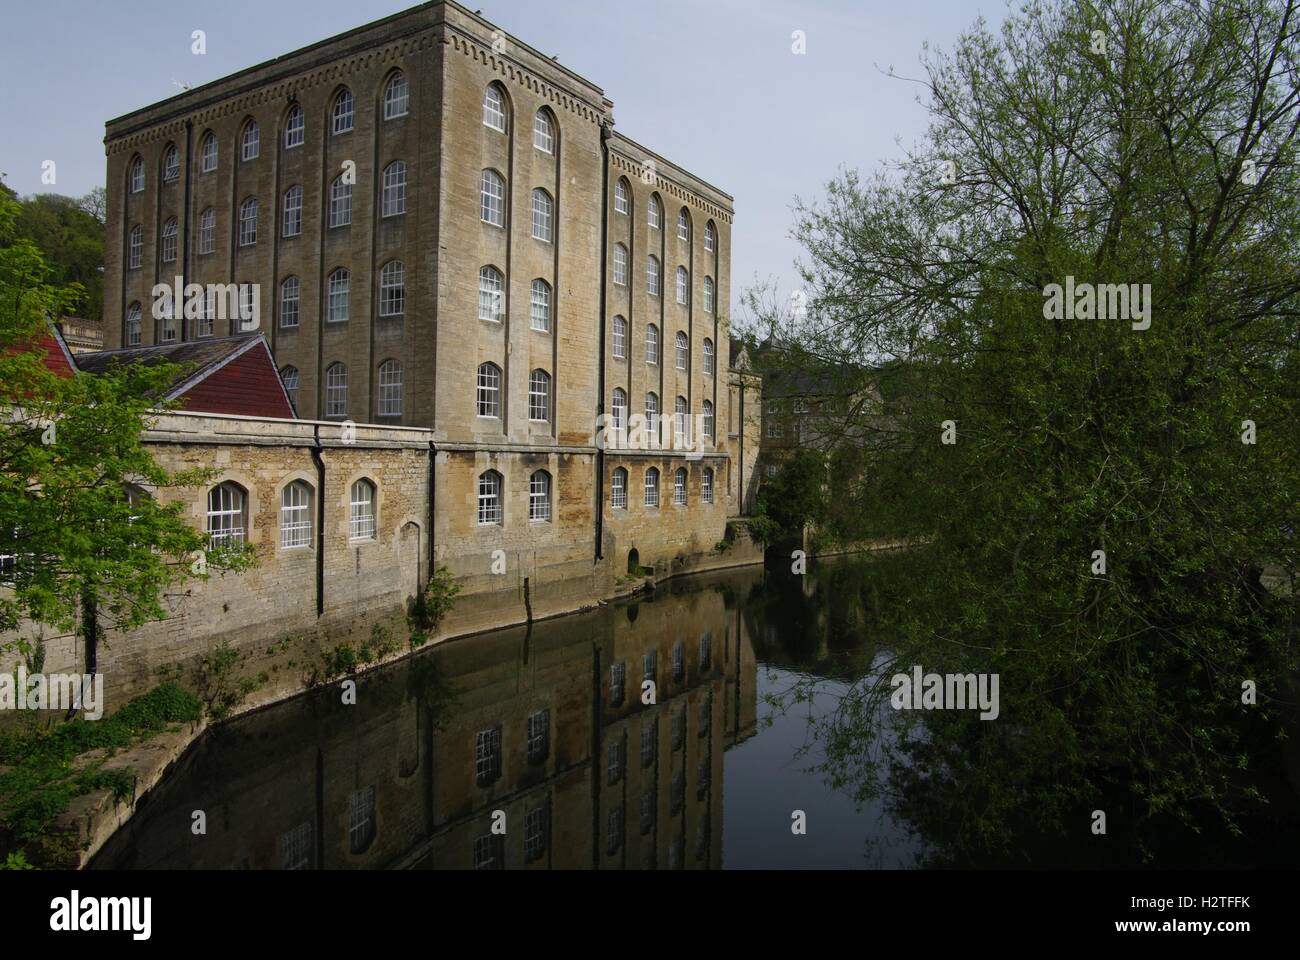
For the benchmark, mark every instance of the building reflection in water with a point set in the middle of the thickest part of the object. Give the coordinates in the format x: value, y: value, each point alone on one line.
x: 543, y: 732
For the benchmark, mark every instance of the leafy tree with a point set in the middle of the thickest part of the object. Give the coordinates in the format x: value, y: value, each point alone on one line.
x: 792, y: 500
x: 1101, y: 532
x: 86, y: 544
x: 69, y: 232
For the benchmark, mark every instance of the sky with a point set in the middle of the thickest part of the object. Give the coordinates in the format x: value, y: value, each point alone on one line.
x: 712, y: 85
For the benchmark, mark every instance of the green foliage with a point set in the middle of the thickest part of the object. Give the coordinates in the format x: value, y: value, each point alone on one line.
x: 219, y: 684
x: 434, y: 602
x: 792, y: 500
x: 70, y: 234
x: 41, y: 770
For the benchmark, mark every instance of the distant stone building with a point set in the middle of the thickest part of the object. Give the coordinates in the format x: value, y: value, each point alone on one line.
x: 82, y: 335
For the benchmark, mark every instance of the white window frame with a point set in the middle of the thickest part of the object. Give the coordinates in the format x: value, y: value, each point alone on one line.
x: 654, y: 213
x: 292, y: 212
x: 622, y: 197
x: 620, y: 265
x: 361, y: 515
x: 683, y: 285
x: 539, y: 497
x: 651, y: 343
x: 290, y: 300
x: 169, y: 241
x: 248, y: 222
x: 490, y: 508
x: 392, y: 289
x: 539, y: 396
x: 651, y: 488
x: 679, y: 487
x: 336, y: 390
x: 683, y: 351
x: 397, y: 96
x: 543, y: 132
x: 250, y: 142
x: 340, y: 203
x: 487, y: 401
x: 207, y: 231
x: 295, y: 516
x: 340, y: 285
x: 494, y: 109
x: 342, y: 113
x: 620, y: 338
x: 134, y: 315
x: 708, y: 294
x: 137, y: 175
x: 683, y: 225
x: 295, y: 127
x: 135, y: 248
x: 543, y: 216
x: 540, y: 306
x: 706, y: 485
x: 491, y: 294
x: 618, y: 489
x: 653, y: 275
x: 208, y: 153
x: 171, y: 165
x: 394, y: 196
x: 227, y: 518
x: 708, y: 357
x: 492, y: 198
x: 390, y: 388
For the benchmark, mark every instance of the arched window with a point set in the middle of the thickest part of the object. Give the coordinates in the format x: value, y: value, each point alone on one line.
x: 683, y: 284
x: 340, y: 202
x: 708, y: 294
x: 292, y: 212
x: 137, y: 175
x: 710, y: 237
x: 289, y: 295
x: 171, y: 164
x: 620, y: 265
x: 250, y: 143
x: 539, y: 497
x: 492, y: 199
x: 683, y: 225
x: 681, y: 430
x: 708, y: 357
x: 620, y: 338
x: 135, y: 249
x: 339, y: 283
x: 622, y: 197
x: 248, y: 222
x: 654, y: 215
x: 651, y: 343
x: 227, y: 515
x: 208, y: 152
x: 652, y: 487
x: 394, y: 200
x: 336, y: 390
x: 341, y: 116
x: 361, y: 819
x: 683, y: 350
x: 488, y: 401
x: 295, y: 127
x: 539, y: 395
x: 169, y: 241
x: 679, y: 486
x: 390, y: 388
x: 543, y: 209
x: 295, y: 515
x: 392, y: 289
x: 491, y: 294
x: 397, y: 96
x: 203, y: 325
x: 707, y: 420
x: 489, y: 497
x: 652, y: 275
x: 541, y: 306
x: 618, y: 489
x: 494, y: 108
x: 361, y: 521
x: 706, y: 485
x: 289, y: 377
x: 208, y: 230
x: 619, y: 409
x: 133, y: 314
x: 543, y: 132
x: 652, y: 416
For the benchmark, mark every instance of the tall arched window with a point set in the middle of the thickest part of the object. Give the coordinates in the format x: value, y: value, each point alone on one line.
x: 619, y: 409
x: 491, y: 294
x: 541, y: 306
x: 706, y: 485
x: 336, y: 390
x: 492, y: 199
x: 539, y: 497
x: 543, y: 216
x: 342, y: 115
x: 494, y: 108
x: 339, y: 283
x: 652, y: 275
x: 620, y: 265
x: 622, y: 197
x: 397, y: 96
x: 543, y: 132
x: 295, y: 515
x: 137, y: 175
x: 208, y: 152
x: 683, y: 350
x: 681, y: 430
x: 250, y: 142
x: 651, y: 343
x: 390, y: 388
x: 340, y: 202
x: 169, y: 241
x: 539, y: 395
x: 133, y: 314
x: 679, y: 486
x: 710, y: 237
x: 289, y: 299
x: 708, y: 357
x: 620, y: 338
x: 361, y: 520
x: 652, y: 416
x: 292, y: 218
x: 248, y: 222
x: 654, y: 213
x: 683, y: 284
x: 652, y: 487
x: 683, y: 225
x: 394, y: 198
x: 708, y: 294
x: 135, y: 248
x: 171, y: 164
x: 707, y: 420
x: 392, y: 289
x: 488, y: 400
x: 618, y: 489
x: 295, y: 127
x: 227, y: 515
x: 489, y: 497
x: 289, y: 377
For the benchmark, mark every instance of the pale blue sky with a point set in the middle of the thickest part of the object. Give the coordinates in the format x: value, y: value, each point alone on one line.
x: 779, y: 125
